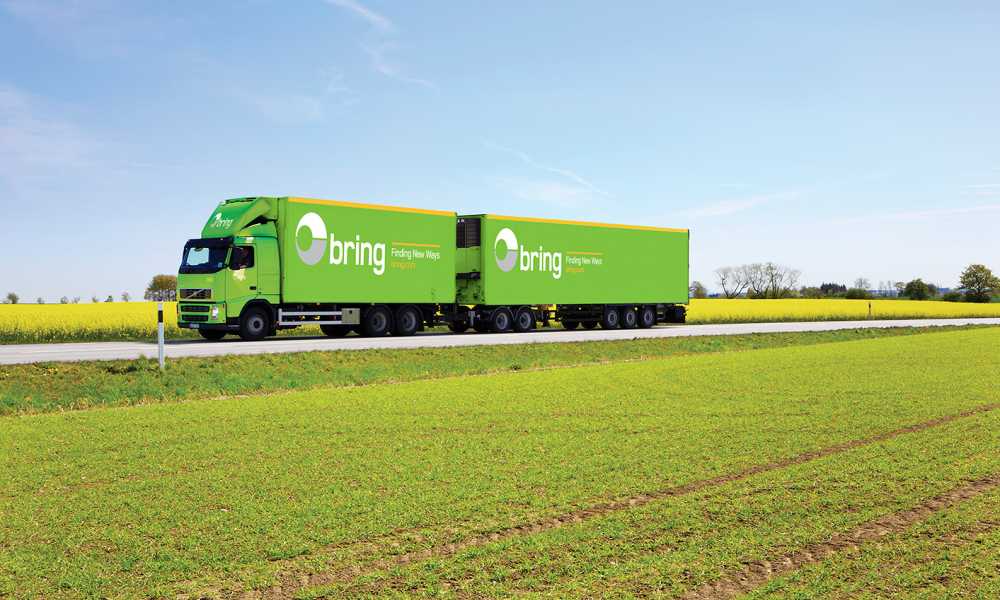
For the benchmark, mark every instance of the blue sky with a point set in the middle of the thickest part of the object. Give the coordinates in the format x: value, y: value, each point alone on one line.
x: 849, y: 139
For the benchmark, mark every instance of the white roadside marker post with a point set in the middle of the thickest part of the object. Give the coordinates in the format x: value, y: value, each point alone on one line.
x: 159, y: 331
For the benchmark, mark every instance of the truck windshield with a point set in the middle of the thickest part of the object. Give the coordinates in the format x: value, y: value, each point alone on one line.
x: 204, y: 256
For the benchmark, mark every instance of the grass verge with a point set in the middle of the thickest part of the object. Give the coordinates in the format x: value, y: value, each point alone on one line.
x: 46, y: 387
x: 155, y: 500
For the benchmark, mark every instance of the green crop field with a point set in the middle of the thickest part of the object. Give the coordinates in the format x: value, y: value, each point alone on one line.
x: 794, y: 466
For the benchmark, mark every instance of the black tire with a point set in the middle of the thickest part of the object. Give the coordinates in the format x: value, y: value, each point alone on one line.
x: 407, y: 321
x: 629, y: 318
x: 501, y: 321
x: 570, y: 324
x: 458, y: 326
x: 524, y: 320
x: 647, y: 317
x: 377, y: 322
x: 212, y: 335
x: 255, y: 323
x: 590, y: 324
x: 611, y: 319
x: 481, y: 326
x: 335, y: 331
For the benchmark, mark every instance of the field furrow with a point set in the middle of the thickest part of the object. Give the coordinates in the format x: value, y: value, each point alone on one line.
x: 248, y: 493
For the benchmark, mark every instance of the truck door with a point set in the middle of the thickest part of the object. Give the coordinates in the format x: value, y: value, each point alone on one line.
x: 242, y: 284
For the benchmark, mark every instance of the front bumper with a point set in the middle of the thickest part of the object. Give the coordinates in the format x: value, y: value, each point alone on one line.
x: 201, y: 315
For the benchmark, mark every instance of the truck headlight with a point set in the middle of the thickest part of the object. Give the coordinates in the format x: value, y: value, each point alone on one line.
x: 215, y: 312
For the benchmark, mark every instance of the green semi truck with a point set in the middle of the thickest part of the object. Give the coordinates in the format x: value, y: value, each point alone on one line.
x: 264, y: 264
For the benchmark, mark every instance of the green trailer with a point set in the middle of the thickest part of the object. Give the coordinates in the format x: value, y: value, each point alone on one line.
x: 594, y: 273
x: 264, y: 264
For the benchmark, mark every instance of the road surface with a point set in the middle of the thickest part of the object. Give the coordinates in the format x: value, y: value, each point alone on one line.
x: 32, y: 353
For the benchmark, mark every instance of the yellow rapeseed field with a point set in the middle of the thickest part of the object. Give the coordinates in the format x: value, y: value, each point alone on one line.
x: 832, y: 309
x: 27, y: 323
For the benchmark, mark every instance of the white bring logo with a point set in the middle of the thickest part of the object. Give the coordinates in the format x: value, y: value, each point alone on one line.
x: 317, y: 229
x: 508, y: 259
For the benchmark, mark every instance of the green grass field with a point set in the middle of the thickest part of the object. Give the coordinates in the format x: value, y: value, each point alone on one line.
x: 637, y: 474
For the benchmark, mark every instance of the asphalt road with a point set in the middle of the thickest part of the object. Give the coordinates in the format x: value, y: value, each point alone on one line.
x: 33, y: 353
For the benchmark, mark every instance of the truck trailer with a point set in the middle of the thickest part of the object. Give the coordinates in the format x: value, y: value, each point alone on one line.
x: 264, y: 264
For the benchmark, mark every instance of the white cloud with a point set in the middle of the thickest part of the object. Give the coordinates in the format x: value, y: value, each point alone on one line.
x: 377, y: 21
x: 34, y: 144
x: 381, y: 63
x: 566, y: 173
x: 553, y: 193
x: 724, y: 208
x: 921, y: 215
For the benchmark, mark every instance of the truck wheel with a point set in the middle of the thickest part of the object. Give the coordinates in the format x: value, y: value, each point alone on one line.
x: 458, y: 327
x: 524, y: 320
x: 255, y: 323
x: 377, y: 322
x: 647, y: 317
x: 629, y: 318
x: 570, y: 324
x: 590, y: 324
x: 611, y: 319
x: 213, y: 335
x: 407, y: 321
x: 335, y: 331
x: 501, y: 321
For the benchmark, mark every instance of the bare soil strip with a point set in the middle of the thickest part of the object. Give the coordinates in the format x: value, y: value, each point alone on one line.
x: 758, y: 573
x: 290, y: 582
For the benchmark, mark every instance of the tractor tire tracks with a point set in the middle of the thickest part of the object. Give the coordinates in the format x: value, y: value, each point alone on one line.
x: 758, y: 573
x: 291, y: 581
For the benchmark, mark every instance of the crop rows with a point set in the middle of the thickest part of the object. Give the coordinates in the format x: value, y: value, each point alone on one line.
x: 218, y: 497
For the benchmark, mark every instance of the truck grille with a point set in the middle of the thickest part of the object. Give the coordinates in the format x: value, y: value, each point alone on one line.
x: 194, y: 308
x: 196, y: 294
x: 194, y: 318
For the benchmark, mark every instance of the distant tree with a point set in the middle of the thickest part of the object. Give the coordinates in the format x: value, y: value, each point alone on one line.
x: 95, y: 299
x: 126, y: 296
x: 39, y: 300
x: 64, y: 300
x: 900, y: 286
x: 858, y: 294
x: 76, y: 299
x: 862, y: 284
x: 832, y: 289
x: 952, y: 297
x: 731, y: 280
x: 979, y: 283
x: 698, y: 290
x: 162, y: 288
x: 811, y: 292
x: 933, y: 290
x: 110, y: 298
x: 12, y: 298
x: 916, y: 290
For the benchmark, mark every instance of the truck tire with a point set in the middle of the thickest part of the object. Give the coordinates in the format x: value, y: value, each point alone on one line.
x: 407, y: 321
x: 590, y: 324
x: 213, y: 335
x: 647, y: 317
x: 458, y: 326
x: 335, y: 331
x: 377, y: 322
x: 611, y: 319
x: 501, y: 320
x: 255, y: 323
x: 629, y: 318
x: 570, y: 324
x: 524, y: 320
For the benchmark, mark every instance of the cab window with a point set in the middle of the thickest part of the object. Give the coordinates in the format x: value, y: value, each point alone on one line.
x: 242, y: 258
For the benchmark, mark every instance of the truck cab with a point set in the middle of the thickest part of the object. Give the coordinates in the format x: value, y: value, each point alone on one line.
x: 229, y: 277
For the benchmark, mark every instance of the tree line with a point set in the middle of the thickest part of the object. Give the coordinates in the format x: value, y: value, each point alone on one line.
x: 161, y: 288
x: 769, y: 280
